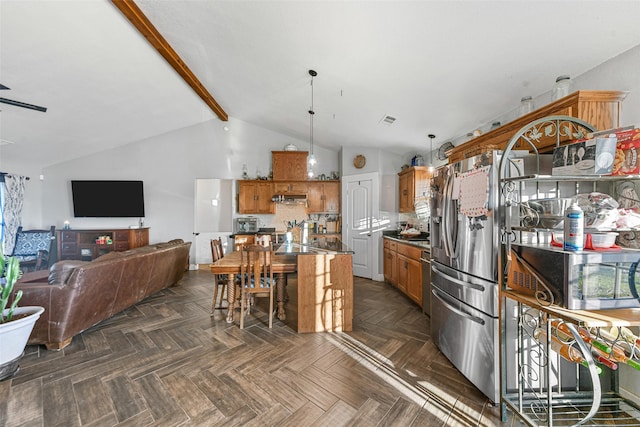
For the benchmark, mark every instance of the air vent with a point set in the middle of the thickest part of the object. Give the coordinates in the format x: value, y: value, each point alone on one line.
x: 388, y: 120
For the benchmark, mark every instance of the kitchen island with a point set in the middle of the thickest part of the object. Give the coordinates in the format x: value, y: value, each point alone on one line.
x: 324, y: 283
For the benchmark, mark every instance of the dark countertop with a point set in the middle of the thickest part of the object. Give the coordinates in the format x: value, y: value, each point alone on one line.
x: 315, y: 246
x: 421, y: 241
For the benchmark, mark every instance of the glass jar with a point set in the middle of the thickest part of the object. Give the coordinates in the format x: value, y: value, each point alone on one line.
x: 562, y: 87
x: 526, y: 105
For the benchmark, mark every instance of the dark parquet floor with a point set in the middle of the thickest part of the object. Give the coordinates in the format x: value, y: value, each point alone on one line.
x: 168, y: 362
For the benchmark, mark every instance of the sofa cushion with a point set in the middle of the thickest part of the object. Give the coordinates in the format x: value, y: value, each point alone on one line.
x: 60, y: 271
x: 108, y: 256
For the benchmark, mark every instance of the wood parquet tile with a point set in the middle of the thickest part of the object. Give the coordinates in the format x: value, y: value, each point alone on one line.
x: 168, y: 362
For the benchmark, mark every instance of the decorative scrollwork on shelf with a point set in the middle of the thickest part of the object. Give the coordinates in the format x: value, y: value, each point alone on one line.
x: 530, y: 320
x: 559, y: 128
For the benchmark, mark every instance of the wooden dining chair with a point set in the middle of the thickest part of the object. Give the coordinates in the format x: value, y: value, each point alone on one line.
x: 220, y: 280
x: 256, y: 278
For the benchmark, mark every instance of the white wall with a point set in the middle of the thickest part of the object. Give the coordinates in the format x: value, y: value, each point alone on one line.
x: 169, y: 164
x: 619, y: 73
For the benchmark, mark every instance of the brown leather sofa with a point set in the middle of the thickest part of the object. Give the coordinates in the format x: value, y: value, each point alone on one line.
x: 79, y: 294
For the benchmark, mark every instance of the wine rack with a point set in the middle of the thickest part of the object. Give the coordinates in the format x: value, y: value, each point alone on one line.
x: 563, y: 364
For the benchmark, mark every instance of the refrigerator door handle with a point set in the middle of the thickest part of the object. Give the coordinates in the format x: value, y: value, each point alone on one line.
x: 446, y: 207
x: 455, y: 310
x: 458, y: 281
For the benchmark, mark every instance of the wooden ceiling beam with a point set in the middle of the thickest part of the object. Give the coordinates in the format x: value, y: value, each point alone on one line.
x: 133, y: 13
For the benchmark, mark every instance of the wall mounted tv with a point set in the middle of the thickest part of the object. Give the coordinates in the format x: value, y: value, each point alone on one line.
x: 107, y: 199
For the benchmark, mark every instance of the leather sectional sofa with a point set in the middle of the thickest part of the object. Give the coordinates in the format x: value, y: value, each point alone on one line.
x: 79, y: 294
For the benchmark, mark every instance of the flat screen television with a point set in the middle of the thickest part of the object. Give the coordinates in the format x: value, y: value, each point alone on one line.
x: 107, y: 199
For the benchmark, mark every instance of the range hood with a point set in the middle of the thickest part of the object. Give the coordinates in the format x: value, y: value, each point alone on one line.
x: 290, y: 199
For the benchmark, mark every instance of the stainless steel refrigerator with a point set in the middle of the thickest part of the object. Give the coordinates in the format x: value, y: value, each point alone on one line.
x: 464, y: 268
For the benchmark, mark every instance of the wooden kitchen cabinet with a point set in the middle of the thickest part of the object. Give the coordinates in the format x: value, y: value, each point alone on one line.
x: 413, y: 184
x: 410, y: 271
x: 390, y: 263
x: 294, y: 187
x: 323, y: 196
x: 598, y: 108
x: 289, y: 165
x: 254, y: 197
x: 403, y: 268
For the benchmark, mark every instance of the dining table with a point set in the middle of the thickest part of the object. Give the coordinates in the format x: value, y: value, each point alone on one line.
x: 230, y: 264
x: 323, y: 267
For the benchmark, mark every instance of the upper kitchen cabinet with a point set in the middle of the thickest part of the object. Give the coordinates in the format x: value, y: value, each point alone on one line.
x: 254, y: 197
x: 598, y: 108
x: 294, y: 187
x: 289, y: 165
x: 413, y: 184
x: 323, y: 196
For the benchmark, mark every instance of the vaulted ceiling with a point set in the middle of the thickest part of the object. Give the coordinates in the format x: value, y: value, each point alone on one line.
x: 441, y: 67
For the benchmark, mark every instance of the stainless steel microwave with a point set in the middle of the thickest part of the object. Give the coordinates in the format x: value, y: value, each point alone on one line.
x: 246, y: 225
x: 582, y: 280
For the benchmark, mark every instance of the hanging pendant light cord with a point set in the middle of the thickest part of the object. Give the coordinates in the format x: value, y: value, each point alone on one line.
x: 311, y: 111
x: 312, y: 157
x: 431, y: 136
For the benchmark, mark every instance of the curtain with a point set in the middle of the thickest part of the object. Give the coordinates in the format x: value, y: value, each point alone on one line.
x: 12, y: 209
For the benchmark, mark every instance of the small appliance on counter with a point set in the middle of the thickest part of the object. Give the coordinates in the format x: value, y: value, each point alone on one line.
x: 247, y: 224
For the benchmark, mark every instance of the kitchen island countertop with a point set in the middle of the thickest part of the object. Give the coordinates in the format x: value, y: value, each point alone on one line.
x: 315, y: 246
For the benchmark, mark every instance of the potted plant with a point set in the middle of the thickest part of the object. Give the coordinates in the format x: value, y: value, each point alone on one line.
x: 16, y: 323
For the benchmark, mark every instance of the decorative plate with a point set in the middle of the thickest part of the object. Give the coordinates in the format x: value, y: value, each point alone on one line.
x: 359, y: 161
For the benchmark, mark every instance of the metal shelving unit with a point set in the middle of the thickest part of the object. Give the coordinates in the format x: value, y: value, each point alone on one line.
x: 549, y: 375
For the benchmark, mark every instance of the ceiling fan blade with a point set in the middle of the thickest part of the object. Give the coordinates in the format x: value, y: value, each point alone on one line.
x: 23, y: 105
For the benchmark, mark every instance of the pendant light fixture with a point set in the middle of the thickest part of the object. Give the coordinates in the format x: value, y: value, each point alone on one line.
x: 312, y: 158
x: 431, y: 137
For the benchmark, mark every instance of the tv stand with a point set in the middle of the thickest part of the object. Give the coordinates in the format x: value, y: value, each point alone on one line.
x: 86, y: 245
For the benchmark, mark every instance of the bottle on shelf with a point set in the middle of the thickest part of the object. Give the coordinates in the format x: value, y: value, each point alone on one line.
x: 565, y: 350
x: 584, y: 334
x: 574, y: 228
x: 562, y: 87
x: 606, y: 354
x: 600, y: 353
x: 526, y: 105
x: 626, y: 334
x: 618, y: 354
x: 618, y: 345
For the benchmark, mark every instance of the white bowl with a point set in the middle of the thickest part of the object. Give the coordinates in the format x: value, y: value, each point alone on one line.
x: 603, y: 240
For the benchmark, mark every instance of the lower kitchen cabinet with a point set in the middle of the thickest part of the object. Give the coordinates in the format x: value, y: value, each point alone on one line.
x: 403, y: 268
x: 390, y: 263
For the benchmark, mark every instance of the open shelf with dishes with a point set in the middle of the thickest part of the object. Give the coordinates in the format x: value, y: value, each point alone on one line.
x: 558, y: 306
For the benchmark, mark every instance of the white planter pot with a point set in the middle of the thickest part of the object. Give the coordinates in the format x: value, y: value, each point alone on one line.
x: 14, y: 336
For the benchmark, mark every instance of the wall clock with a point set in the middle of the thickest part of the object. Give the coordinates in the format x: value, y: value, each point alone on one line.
x: 359, y: 161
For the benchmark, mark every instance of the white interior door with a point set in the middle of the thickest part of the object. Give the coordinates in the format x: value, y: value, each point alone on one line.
x: 213, y: 215
x: 360, y: 210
